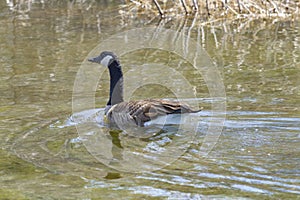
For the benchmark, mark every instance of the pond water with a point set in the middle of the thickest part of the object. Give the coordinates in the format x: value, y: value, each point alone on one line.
x: 44, y: 45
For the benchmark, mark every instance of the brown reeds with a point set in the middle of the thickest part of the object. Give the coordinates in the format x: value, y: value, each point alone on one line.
x: 219, y: 8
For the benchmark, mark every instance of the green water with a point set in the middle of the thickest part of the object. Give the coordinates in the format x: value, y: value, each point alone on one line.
x: 42, y: 48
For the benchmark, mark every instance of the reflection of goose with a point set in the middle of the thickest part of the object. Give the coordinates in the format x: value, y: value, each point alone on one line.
x: 134, y: 112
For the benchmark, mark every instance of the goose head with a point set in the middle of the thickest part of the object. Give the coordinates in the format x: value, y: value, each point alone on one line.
x: 111, y: 61
x: 105, y: 58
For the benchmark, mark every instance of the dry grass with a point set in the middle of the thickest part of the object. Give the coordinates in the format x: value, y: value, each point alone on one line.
x: 219, y: 8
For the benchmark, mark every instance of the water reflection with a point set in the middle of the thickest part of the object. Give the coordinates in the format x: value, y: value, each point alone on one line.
x: 243, y: 137
x: 134, y: 148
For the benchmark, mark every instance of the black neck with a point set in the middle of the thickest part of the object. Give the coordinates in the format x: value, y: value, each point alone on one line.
x: 116, y: 83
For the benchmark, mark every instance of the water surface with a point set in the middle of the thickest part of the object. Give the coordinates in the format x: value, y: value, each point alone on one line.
x: 42, y: 156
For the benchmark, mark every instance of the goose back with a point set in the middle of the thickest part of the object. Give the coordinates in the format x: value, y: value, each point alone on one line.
x: 139, y: 112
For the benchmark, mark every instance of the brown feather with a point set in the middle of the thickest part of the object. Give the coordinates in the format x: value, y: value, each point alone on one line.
x: 139, y: 112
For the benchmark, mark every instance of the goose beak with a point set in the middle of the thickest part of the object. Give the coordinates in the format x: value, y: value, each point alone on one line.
x: 95, y: 60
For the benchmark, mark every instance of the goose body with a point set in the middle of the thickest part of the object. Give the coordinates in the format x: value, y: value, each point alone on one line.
x: 133, y: 112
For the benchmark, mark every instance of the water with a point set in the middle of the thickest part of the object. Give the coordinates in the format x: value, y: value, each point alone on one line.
x: 42, y: 155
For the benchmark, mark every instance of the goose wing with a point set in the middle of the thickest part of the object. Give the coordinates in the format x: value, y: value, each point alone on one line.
x: 139, y: 112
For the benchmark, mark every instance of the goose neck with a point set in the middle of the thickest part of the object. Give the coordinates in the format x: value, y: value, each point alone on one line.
x: 116, y: 83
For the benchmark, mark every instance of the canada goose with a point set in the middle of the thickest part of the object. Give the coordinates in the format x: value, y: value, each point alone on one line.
x: 133, y: 112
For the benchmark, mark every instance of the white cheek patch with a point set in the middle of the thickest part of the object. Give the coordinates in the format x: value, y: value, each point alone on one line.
x: 106, y: 60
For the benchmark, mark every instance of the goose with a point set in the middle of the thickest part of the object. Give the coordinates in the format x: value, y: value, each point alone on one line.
x: 137, y: 112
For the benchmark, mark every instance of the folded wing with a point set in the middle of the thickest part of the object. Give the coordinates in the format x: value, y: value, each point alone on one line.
x: 139, y: 112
